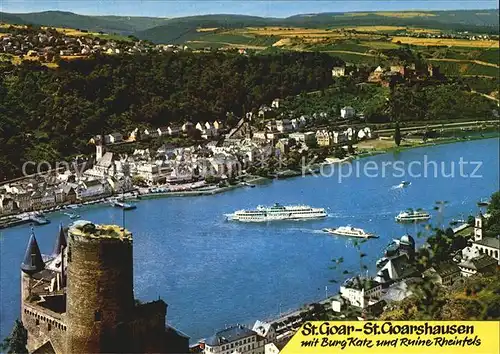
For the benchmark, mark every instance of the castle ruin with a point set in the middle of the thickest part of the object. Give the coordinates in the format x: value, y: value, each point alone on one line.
x: 80, y: 298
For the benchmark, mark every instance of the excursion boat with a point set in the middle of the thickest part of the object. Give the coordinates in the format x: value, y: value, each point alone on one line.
x: 412, y: 215
x: 350, y: 232
x: 277, y: 212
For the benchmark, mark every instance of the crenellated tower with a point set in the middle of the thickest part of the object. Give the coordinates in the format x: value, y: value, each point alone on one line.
x: 100, y: 300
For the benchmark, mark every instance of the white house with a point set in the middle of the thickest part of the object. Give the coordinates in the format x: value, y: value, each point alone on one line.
x: 306, y: 138
x: 236, y: 339
x: 271, y: 126
x: 485, y: 245
x: 265, y: 330
x: 93, y: 188
x: 162, y: 131
x: 218, y: 125
x: 482, y: 264
x: 338, y: 303
x: 277, y: 102
x: 361, y: 292
x: 338, y: 71
x: 347, y: 112
x: 187, y: 126
x: 151, y: 133
x: 149, y: 171
x: 174, y: 131
x: 364, y: 134
x: 113, y: 138
x: 271, y: 348
x: 284, y: 125
x: 48, y: 199
x: 208, y: 125
x: 133, y: 134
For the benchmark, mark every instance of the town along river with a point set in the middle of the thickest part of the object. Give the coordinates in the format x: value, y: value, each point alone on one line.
x: 214, y: 273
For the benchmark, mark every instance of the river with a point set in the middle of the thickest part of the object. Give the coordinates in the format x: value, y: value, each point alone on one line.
x: 214, y: 273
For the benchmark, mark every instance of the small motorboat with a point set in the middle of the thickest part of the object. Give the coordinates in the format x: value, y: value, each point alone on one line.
x: 404, y: 184
x: 349, y: 232
x: 123, y: 205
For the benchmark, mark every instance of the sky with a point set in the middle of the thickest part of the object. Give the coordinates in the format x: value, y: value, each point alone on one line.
x: 270, y: 8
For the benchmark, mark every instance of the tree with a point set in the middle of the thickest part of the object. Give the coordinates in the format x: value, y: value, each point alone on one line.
x: 493, y: 222
x: 16, y: 342
x: 397, y: 134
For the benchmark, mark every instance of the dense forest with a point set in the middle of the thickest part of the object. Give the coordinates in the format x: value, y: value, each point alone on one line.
x: 364, y: 98
x: 446, y: 102
x: 51, y: 114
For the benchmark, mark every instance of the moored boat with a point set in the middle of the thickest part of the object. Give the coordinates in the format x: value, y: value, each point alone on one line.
x: 123, y: 205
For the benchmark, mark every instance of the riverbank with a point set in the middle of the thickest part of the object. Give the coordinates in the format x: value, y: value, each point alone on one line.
x: 366, y: 148
x: 204, y: 191
x: 169, y: 233
x: 382, y: 146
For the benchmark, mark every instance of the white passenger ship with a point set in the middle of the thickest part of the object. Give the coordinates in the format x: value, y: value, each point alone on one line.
x: 418, y: 215
x: 278, y: 212
x: 350, y: 232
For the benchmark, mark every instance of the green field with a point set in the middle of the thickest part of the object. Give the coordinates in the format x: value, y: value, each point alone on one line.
x: 357, y: 59
x: 465, y: 68
x: 227, y: 39
x: 490, y: 56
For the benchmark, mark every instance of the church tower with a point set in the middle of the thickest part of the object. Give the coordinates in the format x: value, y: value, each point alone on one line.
x: 478, y: 227
x: 100, y: 148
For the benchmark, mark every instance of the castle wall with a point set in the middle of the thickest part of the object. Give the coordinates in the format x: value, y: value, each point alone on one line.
x: 99, y: 294
x: 148, y: 327
x: 43, y: 326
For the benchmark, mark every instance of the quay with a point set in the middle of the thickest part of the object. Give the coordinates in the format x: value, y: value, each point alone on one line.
x: 21, y: 219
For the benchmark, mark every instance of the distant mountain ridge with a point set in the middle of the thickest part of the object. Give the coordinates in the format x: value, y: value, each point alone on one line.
x: 178, y: 30
x: 108, y: 24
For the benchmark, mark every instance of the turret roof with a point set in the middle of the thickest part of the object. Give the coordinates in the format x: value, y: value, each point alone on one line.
x: 32, y: 262
x: 60, y: 241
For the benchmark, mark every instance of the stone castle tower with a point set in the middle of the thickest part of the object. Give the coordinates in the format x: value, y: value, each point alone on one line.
x: 80, y: 298
x: 100, y: 296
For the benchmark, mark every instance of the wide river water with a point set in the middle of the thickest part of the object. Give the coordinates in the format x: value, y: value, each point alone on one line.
x: 214, y: 273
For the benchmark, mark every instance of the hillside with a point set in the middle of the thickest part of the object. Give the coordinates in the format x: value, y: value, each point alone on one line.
x: 11, y: 19
x: 178, y: 30
x: 108, y: 24
x: 181, y: 29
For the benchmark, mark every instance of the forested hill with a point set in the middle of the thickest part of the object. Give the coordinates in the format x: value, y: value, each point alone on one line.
x: 108, y: 24
x: 178, y: 30
x: 51, y: 114
x: 171, y: 30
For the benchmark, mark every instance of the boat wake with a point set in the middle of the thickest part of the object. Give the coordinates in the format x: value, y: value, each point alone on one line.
x: 402, y: 185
